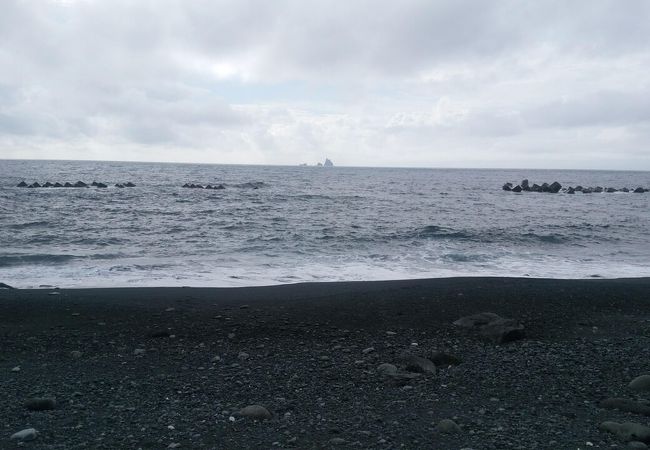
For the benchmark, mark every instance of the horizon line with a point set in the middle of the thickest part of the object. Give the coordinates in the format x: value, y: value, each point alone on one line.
x: 316, y: 166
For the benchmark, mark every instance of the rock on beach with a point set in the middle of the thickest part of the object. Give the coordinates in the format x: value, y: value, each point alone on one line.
x: 40, y: 403
x: 28, y: 434
x: 257, y: 412
x: 640, y: 383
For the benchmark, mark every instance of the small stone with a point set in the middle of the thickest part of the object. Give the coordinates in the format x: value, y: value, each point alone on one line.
x: 243, y: 356
x: 40, y: 403
x: 255, y: 412
x: 76, y: 354
x: 139, y: 351
x: 28, y: 434
x: 16, y: 369
x: 640, y: 384
x: 387, y: 369
x: 174, y: 445
x: 448, y: 426
x: 365, y: 351
x: 337, y: 441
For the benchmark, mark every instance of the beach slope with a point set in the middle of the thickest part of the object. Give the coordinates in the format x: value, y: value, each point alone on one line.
x: 172, y: 367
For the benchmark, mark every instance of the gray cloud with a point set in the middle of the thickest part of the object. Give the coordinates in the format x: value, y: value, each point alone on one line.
x: 365, y: 82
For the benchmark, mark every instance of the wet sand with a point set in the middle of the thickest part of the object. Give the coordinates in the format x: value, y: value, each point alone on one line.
x: 171, y: 367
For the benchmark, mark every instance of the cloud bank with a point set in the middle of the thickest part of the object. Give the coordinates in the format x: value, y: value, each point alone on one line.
x: 414, y: 83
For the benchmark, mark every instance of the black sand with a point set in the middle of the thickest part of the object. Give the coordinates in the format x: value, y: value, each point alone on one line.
x: 306, y: 363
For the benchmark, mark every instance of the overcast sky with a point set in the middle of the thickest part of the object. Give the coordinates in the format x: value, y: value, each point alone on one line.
x: 555, y: 84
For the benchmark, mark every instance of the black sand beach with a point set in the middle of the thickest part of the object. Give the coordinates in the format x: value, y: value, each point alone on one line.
x: 157, y: 368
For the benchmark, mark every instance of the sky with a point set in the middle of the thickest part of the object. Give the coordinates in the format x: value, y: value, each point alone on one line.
x: 432, y: 83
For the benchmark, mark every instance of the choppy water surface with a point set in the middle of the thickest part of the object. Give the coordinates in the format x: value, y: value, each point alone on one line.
x: 310, y: 224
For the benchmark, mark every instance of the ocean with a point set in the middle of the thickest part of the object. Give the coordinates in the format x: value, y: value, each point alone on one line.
x: 274, y: 224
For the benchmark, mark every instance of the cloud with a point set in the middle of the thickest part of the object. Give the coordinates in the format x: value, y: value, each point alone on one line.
x: 367, y: 82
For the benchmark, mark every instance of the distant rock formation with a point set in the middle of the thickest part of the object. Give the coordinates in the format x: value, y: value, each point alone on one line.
x: 328, y: 163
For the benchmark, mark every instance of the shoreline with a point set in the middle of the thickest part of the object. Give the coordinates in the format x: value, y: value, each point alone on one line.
x: 126, y: 364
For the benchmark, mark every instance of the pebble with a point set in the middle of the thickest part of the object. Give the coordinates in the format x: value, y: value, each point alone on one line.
x: 365, y: 351
x: 16, y: 369
x: 448, y: 426
x: 139, y: 351
x: 174, y: 445
x: 76, y: 354
x: 40, y: 403
x: 243, y: 355
x: 255, y: 412
x: 337, y: 441
x: 28, y: 434
x: 640, y: 384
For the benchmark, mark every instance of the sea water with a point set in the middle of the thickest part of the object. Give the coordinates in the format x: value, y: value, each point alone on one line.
x: 275, y: 224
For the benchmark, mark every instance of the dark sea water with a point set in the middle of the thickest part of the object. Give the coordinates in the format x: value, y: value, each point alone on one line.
x: 311, y: 224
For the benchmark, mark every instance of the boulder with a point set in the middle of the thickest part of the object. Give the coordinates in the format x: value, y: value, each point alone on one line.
x: 507, y: 187
x: 101, y: 185
x: 587, y: 190
x: 477, y: 320
x: 40, y: 403
x: 94, y: 184
x: 129, y: 184
x: 28, y: 434
x: 387, y: 369
x: 555, y: 187
x: 571, y: 191
x: 524, y: 185
x: 34, y: 185
x: 22, y: 184
x: 256, y: 412
x: 545, y: 187
x: 220, y: 186
x: 48, y: 184
x: 625, y: 189
x: 186, y: 185
x: 598, y: 189
x: 442, y: 359
x: 609, y: 190
x: 417, y: 364
x: 493, y: 327
x: 119, y: 185
x: 626, y: 405
x: 516, y: 189
x: 80, y: 184
x: 627, y: 431
x: 447, y: 426
x: 68, y: 185
x: 579, y: 188
x: 639, y: 190
x: 536, y: 188
x: 640, y: 384
x: 58, y: 185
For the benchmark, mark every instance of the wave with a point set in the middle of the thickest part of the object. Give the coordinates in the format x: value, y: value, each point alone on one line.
x: 21, y: 226
x: 34, y: 259
x: 485, y: 236
x: 46, y: 259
